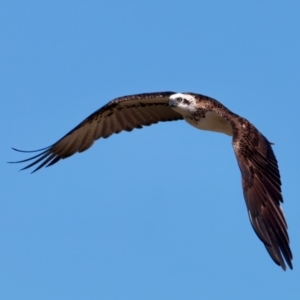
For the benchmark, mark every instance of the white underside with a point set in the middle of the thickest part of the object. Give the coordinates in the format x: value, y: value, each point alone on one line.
x: 212, y: 122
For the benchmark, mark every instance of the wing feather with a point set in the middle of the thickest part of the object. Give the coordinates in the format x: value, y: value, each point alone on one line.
x: 262, y: 190
x: 139, y: 116
x: 124, y: 113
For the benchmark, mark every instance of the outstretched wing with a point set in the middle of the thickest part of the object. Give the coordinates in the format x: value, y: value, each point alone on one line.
x: 124, y: 113
x: 262, y: 190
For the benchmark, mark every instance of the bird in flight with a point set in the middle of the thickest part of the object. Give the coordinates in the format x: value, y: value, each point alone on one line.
x: 258, y: 165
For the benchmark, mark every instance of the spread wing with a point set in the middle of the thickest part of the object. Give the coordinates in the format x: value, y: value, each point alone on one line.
x: 124, y: 113
x: 262, y: 190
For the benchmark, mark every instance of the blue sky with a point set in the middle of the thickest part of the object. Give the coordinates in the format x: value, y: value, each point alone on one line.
x: 157, y: 213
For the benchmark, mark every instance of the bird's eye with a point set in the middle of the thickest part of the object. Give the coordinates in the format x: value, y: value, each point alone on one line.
x: 179, y: 99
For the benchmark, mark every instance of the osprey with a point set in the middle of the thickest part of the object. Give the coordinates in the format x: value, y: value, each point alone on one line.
x: 258, y: 165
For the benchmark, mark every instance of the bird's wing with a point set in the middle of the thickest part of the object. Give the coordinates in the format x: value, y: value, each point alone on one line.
x: 262, y: 190
x: 124, y: 113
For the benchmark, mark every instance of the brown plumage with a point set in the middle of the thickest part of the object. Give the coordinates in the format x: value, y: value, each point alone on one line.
x: 262, y: 190
x: 260, y: 175
x: 124, y: 113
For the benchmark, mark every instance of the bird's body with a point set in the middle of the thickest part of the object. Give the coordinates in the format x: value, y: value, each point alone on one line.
x: 210, y: 114
x: 258, y: 165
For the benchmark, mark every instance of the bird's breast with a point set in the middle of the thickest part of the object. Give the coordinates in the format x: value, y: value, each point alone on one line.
x: 210, y: 121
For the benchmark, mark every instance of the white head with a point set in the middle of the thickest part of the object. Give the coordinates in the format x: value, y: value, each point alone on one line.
x: 183, y: 103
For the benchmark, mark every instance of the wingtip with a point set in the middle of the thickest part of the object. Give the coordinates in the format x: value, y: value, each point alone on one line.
x: 29, y: 151
x: 290, y: 265
x: 37, y: 158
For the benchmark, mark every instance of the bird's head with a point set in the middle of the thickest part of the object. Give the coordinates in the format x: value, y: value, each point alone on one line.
x: 182, y: 103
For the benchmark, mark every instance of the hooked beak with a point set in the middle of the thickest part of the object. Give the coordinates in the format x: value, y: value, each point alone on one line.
x: 173, y: 103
